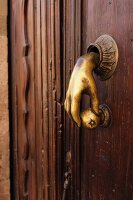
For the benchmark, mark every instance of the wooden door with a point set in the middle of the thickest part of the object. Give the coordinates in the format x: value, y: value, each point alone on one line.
x: 102, y: 164
x: 47, y: 36
x: 36, y: 91
x: 106, y: 154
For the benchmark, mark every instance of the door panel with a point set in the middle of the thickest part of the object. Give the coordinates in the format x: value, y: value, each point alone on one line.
x: 36, y: 117
x: 47, y: 37
x: 106, y: 158
x: 104, y: 155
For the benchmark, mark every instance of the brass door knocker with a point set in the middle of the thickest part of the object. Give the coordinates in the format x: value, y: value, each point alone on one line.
x: 101, y: 58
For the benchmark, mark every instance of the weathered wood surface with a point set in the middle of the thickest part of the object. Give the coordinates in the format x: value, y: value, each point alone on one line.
x: 107, y: 164
x: 71, y: 38
x: 36, y: 99
x: 46, y: 39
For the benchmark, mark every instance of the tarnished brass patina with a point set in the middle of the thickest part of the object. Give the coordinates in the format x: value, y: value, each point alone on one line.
x: 106, y: 46
x: 100, y: 60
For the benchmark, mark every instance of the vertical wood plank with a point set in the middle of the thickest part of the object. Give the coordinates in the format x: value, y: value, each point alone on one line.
x: 38, y: 102
x: 39, y: 71
x: 23, y: 98
x: 14, y: 107
x: 106, y: 153
x: 71, y: 51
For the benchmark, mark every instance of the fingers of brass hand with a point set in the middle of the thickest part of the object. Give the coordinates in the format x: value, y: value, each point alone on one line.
x: 72, y: 107
x: 75, y: 108
x: 90, y: 119
x: 81, y: 80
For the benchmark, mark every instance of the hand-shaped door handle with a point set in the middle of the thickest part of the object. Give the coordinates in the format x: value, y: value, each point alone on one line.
x: 101, y: 58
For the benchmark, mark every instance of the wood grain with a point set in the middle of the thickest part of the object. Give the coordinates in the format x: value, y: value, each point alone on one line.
x: 46, y: 39
x: 36, y: 100
x: 71, y: 35
x: 107, y: 153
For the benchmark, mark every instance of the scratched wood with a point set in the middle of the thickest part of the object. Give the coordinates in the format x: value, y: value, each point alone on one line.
x: 46, y: 38
x: 23, y: 114
x: 71, y: 40
x: 107, y: 164
x: 104, y: 155
x: 36, y: 94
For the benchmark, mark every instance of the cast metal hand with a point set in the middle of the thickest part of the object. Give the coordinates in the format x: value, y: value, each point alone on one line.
x: 82, y: 81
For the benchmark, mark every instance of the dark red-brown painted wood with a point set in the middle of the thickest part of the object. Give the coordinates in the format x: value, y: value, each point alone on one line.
x: 107, y: 154
x: 36, y: 99
x: 47, y: 36
x: 71, y: 36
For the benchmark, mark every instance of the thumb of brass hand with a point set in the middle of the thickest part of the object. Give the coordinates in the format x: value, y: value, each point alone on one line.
x: 82, y: 81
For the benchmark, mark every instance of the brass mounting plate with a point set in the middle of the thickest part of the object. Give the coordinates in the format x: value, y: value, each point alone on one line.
x: 105, y: 116
x: 106, y: 46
